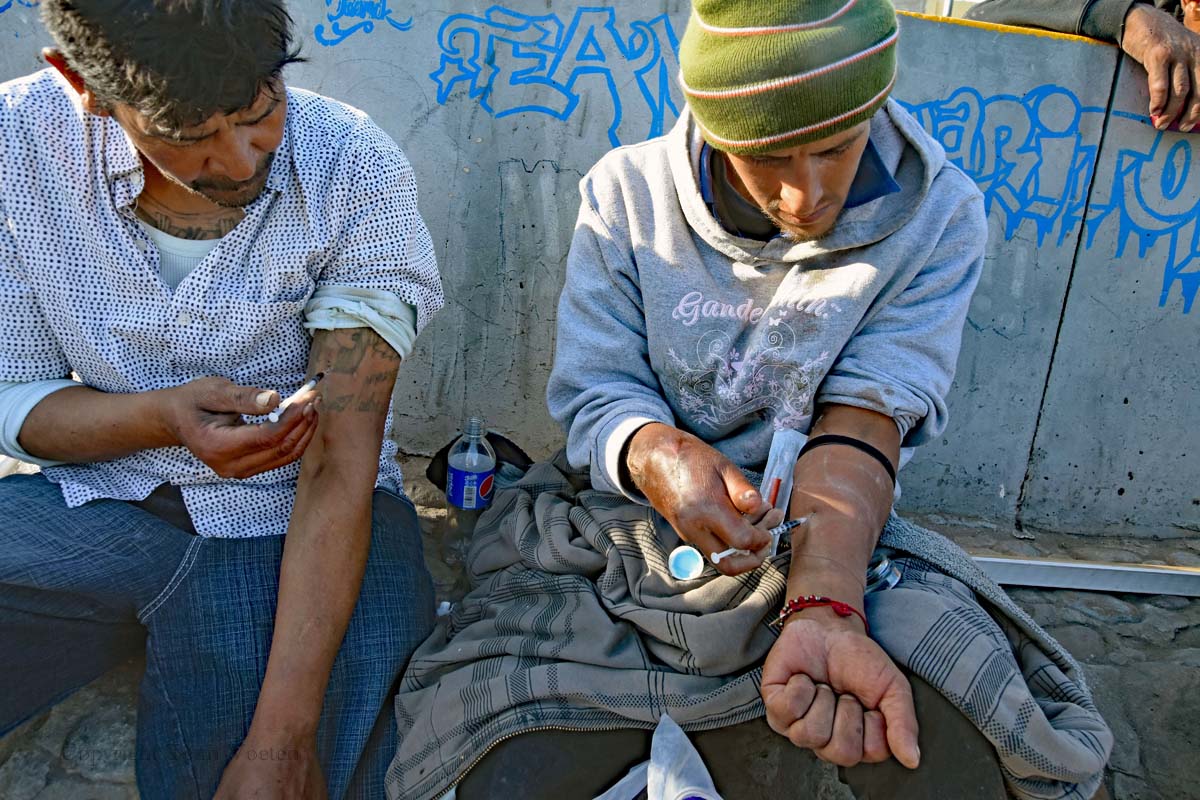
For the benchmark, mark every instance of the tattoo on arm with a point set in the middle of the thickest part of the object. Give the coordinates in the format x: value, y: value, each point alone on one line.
x: 362, y: 354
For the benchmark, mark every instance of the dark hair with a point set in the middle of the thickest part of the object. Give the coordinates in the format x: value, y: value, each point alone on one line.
x: 176, y: 62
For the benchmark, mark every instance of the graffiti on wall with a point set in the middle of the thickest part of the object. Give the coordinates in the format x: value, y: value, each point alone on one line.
x: 1027, y: 154
x: 1031, y: 158
x: 512, y: 63
x: 1152, y: 202
x: 5, y: 5
x: 344, y: 18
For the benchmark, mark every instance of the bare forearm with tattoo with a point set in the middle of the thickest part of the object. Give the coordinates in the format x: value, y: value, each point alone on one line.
x: 329, y: 535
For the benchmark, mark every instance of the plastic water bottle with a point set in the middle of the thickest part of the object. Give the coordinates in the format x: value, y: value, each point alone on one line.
x: 470, y: 474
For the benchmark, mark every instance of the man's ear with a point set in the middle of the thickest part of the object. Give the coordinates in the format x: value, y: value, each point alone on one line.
x: 56, y: 59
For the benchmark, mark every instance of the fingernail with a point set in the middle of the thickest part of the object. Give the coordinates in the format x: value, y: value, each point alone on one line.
x: 263, y: 398
x: 1187, y: 127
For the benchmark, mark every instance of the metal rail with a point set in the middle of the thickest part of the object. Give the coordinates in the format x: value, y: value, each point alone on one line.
x: 1092, y: 576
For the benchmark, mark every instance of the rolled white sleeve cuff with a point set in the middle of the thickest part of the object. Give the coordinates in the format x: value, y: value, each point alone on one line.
x: 16, y: 401
x: 337, y: 307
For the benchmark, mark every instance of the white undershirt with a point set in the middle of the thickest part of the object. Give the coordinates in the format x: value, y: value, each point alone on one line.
x: 177, y: 257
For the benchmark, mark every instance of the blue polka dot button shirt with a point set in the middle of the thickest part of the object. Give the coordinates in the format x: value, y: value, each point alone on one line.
x: 80, y: 289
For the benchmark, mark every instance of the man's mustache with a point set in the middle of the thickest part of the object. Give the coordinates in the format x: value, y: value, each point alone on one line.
x: 222, y: 185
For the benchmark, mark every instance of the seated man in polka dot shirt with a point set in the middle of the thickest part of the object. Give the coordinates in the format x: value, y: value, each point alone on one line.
x: 192, y: 240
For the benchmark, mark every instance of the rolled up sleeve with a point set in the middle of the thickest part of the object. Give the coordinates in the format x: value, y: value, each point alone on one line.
x: 383, y: 244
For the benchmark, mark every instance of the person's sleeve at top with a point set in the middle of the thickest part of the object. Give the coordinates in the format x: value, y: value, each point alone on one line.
x: 602, y: 388
x: 384, y: 246
x: 1097, y: 19
x: 901, y: 362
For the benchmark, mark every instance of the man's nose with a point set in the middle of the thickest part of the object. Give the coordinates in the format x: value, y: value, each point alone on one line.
x: 236, y: 158
x: 801, y: 194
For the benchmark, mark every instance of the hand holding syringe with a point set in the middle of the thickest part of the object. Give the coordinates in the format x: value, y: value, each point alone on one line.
x: 775, y: 532
x: 303, y: 390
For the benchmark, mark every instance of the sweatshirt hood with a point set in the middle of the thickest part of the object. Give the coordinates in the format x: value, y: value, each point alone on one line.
x: 911, y: 154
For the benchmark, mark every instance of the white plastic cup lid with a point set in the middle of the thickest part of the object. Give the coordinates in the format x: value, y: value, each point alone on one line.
x: 685, y: 563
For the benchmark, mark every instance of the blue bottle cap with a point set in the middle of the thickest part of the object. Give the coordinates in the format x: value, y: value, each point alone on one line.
x: 685, y: 563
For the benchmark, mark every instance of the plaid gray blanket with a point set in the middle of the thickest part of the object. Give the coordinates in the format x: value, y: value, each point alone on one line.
x: 575, y: 623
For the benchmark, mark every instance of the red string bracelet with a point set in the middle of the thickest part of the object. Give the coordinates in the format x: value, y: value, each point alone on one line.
x: 817, y: 601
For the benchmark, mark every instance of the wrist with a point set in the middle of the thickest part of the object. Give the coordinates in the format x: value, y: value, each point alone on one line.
x: 638, y: 450
x: 829, y: 619
x: 291, y: 723
x: 827, y: 613
x: 1136, y: 28
x: 162, y: 412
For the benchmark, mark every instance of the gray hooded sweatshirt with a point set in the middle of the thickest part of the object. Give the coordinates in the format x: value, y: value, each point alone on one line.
x: 667, y: 317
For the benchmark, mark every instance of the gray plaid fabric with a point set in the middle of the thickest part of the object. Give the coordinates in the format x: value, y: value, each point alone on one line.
x: 575, y: 623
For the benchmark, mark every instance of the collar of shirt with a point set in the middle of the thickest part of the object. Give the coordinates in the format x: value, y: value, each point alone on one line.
x: 126, y: 177
x: 872, y: 181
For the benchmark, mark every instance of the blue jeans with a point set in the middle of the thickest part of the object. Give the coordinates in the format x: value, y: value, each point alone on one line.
x: 82, y: 589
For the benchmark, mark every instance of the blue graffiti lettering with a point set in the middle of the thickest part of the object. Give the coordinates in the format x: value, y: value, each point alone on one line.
x: 1031, y: 159
x: 1006, y: 158
x: 5, y: 5
x: 514, y: 63
x: 1153, y: 200
x: 361, y: 16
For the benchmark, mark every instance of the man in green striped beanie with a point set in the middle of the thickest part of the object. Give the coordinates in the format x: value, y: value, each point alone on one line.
x: 785, y: 91
x: 792, y: 262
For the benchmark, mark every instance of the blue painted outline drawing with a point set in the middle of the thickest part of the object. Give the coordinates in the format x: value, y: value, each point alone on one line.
x: 502, y: 58
x: 362, y: 16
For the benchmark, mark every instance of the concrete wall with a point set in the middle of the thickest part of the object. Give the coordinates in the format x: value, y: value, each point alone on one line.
x: 1085, y: 303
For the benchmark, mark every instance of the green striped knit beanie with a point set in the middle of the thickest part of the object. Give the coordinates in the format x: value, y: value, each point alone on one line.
x: 764, y: 75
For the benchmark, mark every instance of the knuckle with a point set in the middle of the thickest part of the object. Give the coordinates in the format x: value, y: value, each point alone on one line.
x: 777, y: 714
x: 774, y: 723
x: 841, y: 756
x: 800, y: 735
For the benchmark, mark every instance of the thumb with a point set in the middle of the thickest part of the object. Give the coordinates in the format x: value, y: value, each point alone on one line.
x: 900, y: 719
x: 745, y: 497
x: 251, y: 400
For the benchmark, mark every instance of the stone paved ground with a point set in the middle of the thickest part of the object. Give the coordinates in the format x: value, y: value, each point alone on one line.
x: 1141, y: 655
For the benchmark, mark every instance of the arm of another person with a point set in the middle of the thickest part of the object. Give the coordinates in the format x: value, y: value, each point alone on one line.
x: 324, y: 558
x: 78, y: 424
x: 1151, y: 34
x: 826, y: 685
x: 377, y: 294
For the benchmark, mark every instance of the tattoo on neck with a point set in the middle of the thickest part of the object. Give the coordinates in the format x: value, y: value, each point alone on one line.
x: 189, y: 224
